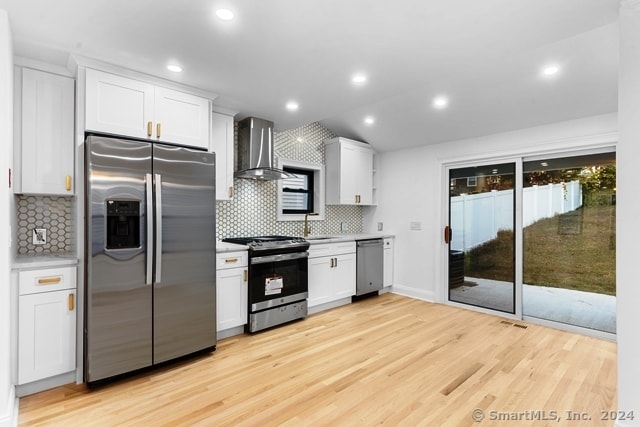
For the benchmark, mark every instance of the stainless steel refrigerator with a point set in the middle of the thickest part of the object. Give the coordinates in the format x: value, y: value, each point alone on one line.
x: 150, y: 254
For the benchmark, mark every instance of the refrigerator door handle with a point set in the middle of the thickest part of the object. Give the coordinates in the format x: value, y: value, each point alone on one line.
x: 158, y: 221
x: 149, y: 221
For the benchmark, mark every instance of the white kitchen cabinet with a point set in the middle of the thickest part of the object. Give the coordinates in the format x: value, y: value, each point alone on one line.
x: 231, y: 289
x: 222, y: 129
x: 349, y: 178
x: 332, y: 272
x: 388, y: 262
x: 46, y: 323
x: 44, y: 133
x: 129, y: 107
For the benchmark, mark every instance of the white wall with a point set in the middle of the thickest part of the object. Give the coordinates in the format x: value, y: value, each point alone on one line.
x: 628, y: 212
x: 411, y: 188
x: 7, y: 400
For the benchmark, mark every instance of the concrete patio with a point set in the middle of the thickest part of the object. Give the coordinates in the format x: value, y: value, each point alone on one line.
x: 585, y: 309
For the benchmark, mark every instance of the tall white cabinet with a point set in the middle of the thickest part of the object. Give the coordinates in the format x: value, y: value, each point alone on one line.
x: 349, y: 172
x: 130, y: 107
x: 222, y: 135
x: 44, y: 132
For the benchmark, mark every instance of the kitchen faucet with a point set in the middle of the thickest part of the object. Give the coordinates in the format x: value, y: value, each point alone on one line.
x: 305, y: 231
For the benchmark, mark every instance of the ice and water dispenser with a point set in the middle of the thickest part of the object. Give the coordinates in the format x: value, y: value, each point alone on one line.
x: 123, y: 224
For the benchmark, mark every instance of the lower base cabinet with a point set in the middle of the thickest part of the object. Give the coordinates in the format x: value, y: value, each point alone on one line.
x: 231, y: 290
x: 46, y: 323
x: 332, y: 272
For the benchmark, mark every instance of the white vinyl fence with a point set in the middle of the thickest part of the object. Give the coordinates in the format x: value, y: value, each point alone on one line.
x: 476, y: 218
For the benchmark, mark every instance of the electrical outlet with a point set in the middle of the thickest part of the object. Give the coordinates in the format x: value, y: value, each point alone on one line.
x: 39, y: 236
x: 415, y: 226
x: 380, y: 226
x: 343, y: 227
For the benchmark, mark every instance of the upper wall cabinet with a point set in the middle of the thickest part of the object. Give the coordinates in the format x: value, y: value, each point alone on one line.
x: 129, y: 107
x: 44, y: 133
x: 349, y: 174
x: 222, y: 144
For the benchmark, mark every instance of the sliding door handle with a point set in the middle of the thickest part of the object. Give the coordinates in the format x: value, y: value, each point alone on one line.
x: 447, y: 234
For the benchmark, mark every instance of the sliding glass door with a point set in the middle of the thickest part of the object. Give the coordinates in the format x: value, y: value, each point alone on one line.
x: 569, y: 240
x: 481, y: 236
x: 561, y: 211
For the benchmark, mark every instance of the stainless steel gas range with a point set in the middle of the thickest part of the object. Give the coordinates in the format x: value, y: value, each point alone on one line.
x: 278, y: 282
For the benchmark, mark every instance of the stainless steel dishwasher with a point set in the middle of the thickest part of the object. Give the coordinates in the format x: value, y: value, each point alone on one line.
x: 369, y: 262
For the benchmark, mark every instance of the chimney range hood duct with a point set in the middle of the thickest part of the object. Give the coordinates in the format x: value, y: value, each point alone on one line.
x: 255, y: 151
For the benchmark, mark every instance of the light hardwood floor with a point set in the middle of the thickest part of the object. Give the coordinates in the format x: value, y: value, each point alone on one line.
x: 387, y: 360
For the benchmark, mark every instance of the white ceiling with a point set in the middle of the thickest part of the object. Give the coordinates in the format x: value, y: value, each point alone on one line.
x: 485, y: 55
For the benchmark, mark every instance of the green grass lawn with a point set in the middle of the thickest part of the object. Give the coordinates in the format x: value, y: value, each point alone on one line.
x: 573, y: 251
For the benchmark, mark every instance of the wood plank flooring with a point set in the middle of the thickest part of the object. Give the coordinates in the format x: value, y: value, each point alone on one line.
x: 388, y: 360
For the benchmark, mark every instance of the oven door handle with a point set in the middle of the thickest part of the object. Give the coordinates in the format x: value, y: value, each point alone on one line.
x: 279, y: 257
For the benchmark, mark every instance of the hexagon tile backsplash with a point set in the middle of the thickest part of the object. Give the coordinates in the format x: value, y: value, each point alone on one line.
x: 53, y: 214
x: 253, y: 209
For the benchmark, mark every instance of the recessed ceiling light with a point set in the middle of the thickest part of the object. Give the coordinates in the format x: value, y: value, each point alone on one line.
x: 359, y: 79
x: 174, y: 68
x: 224, y: 14
x: 369, y: 120
x: 550, y: 70
x: 292, y: 106
x: 440, y: 102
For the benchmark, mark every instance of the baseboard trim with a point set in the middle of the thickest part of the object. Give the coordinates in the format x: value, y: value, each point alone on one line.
x: 9, y: 417
x: 411, y: 292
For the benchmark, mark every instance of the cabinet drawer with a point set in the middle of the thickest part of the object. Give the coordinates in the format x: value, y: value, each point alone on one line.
x: 47, y: 280
x: 231, y: 260
x: 332, y: 249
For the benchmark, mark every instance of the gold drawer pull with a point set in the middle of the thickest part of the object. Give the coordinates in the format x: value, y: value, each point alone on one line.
x: 230, y: 260
x: 246, y: 275
x: 49, y: 280
x: 71, y: 302
x: 149, y: 129
x: 68, y: 183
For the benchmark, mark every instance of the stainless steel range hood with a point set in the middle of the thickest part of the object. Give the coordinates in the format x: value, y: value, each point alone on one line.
x: 255, y: 151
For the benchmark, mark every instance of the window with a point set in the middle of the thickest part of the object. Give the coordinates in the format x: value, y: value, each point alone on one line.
x: 297, y: 193
x: 303, y: 194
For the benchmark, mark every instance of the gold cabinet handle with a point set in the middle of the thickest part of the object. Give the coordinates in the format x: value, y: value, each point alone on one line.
x: 231, y: 260
x: 230, y: 192
x: 49, y: 280
x: 67, y: 184
x: 246, y: 275
x: 149, y: 129
x: 158, y: 130
x: 71, y: 302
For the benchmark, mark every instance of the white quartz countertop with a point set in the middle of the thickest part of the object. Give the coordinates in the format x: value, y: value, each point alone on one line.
x: 222, y: 247
x: 334, y: 238
x: 44, y: 261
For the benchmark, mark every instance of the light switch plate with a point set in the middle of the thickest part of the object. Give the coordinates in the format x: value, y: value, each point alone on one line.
x: 39, y: 236
x: 415, y: 226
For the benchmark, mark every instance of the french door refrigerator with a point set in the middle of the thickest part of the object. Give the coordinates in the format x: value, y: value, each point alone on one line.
x: 150, y: 254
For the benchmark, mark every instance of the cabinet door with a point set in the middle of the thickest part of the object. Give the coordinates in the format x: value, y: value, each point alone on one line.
x: 47, y: 114
x: 344, y: 276
x: 181, y: 118
x: 231, y: 298
x: 118, y: 105
x: 357, y: 168
x: 320, y: 281
x: 222, y: 145
x: 46, y: 337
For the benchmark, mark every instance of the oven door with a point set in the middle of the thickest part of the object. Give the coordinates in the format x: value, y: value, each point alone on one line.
x: 277, y: 279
